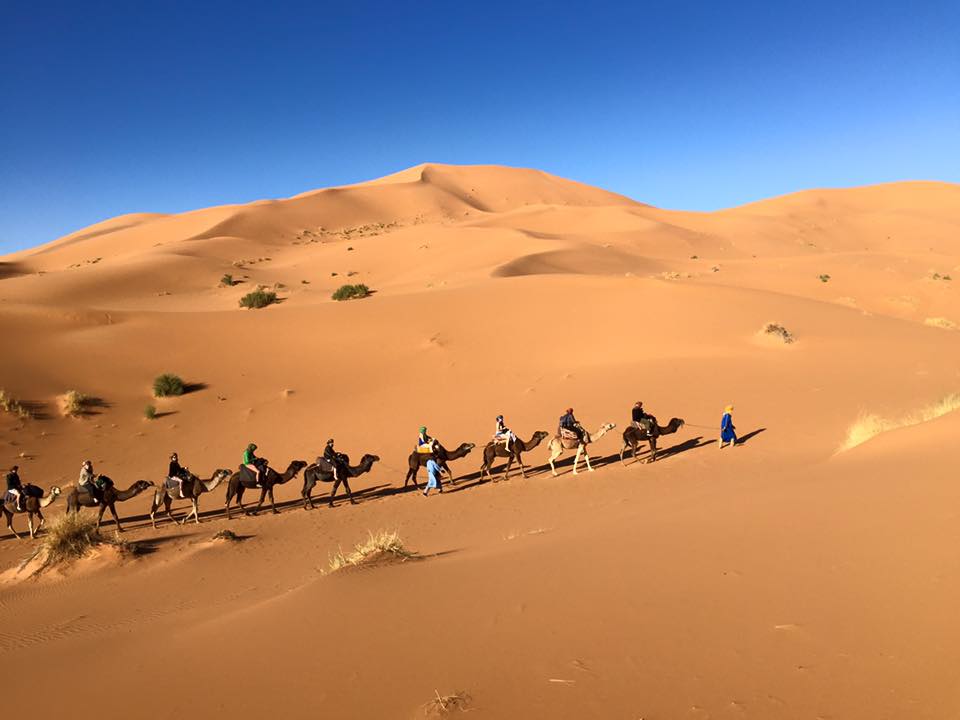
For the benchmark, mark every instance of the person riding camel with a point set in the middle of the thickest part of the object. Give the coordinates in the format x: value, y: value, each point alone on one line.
x: 177, y: 472
x: 252, y: 463
x: 640, y: 418
x: 333, y: 457
x: 425, y: 444
x: 503, y: 433
x: 15, y: 487
x: 88, y: 482
x: 570, y: 423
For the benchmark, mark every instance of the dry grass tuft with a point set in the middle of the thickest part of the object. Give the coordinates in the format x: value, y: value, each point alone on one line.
x: 72, y: 403
x: 378, y: 548
x: 869, y: 425
x: 10, y: 404
x: 443, y: 705
x: 778, y: 331
x: 940, y: 322
x: 227, y: 535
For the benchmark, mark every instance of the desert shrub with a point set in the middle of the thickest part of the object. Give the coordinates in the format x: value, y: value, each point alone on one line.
x: 167, y: 384
x: 869, y: 425
x: 348, y: 292
x: 779, y: 331
x: 824, y: 278
x: 443, y: 705
x: 227, y: 280
x: 72, y: 403
x: 10, y: 404
x: 69, y: 537
x: 379, y: 547
x: 940, y: 322
x: 258, y: 298
x: 150, y: 412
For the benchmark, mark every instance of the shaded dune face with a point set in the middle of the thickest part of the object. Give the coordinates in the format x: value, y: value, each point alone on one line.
x: 736, y: 583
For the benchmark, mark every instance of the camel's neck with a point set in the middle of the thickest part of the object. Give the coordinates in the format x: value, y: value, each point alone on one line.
x: 600, y: 433
x: 130, y: 492
x: 212, y: 483
x: 49, y: 498
x: 533, y: 442
x: 458, y: 453
x: 361, y: 468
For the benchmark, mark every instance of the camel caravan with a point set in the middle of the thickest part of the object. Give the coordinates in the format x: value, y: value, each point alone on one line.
x: 98, y: 491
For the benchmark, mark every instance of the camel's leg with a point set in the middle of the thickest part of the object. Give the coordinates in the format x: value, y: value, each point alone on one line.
x: 506, y: 471
x: 273, y: 503
x: 116, y: 518
x: 30, y: 525
x: 576, y: 459
x: 307, y: 494
x: 42, y: 520
x: 586, y: 456
x: 240, y: 490
x: 167, y: 504
x: 653, y: 451
x: 523, y: 469
x: 103, y: 509
x: 346, y: 484
x: 9, y: 517
x: 554, y: 454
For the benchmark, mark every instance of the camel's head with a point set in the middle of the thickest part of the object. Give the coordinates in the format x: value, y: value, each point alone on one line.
x: 541, y: 435
x: 679, y: 422
x: 55, y: 491
x: 222, y: 474
x: 607, y: 427
x: 296, y: 466
x: 368, y: 458
x: 141, y: 485
x: 468, y: 446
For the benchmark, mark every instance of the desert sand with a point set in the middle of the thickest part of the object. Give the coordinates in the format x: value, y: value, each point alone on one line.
x: 812, y: 572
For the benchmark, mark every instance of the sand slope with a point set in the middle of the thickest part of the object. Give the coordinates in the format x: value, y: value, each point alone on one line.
x: 784, y: 579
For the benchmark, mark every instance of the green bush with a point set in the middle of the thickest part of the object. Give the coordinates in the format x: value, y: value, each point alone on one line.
x: 150, y: 412
x: 227, y: 280
x: 166, y: 385
x: 259, y: 298
x: 824, y: 278
x: 348, y: 292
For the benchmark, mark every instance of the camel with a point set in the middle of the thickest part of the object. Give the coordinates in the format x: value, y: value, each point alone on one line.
x: 78, y: 498
x: 243, y: 479
x: 558, y: 444
x: 321, y: 471
x: 193, y: 488
x: 34, y: 501
x: 633, y: 436
x: 495, y: 449
x: 442, y: 456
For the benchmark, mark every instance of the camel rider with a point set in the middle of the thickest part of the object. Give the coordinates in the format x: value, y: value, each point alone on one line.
x: 252, y: 463
x: 503, y: 433
x: 88, y: 481
x: 177, y: 472
x: 641, y: 420
x: 15, y: 487
x: 333, y: 457
x: 425, y: 443
x: 569, y: 422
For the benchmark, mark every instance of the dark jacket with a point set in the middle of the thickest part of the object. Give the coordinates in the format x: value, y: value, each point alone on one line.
x: 13, y: 481
x: 176, y: 470
x: 331, y: 455
x: 568, y: 421
x: 638, y: 414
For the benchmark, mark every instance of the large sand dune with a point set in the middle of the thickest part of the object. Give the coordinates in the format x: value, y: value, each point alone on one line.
x: 787, y: 578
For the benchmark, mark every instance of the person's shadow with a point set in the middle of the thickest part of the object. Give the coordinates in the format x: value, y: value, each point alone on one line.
x: 744, y: 438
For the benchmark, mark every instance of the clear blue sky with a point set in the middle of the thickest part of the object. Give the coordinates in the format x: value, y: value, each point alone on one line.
x: 115, y: 107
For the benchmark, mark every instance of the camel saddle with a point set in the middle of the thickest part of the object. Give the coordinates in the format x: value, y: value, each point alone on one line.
x: 568, y: 434
x: 172, y: 485
x: 247, y: 478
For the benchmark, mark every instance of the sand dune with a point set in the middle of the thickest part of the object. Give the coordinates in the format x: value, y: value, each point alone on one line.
x: 781, y: 579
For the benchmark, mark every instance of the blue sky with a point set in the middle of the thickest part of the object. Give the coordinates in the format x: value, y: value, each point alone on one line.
x: 115, y: 107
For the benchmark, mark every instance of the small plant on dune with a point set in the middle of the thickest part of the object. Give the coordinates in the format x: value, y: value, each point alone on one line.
x: 442, y: 705
x: 824, y: 278
x: 227, y: 535
x: 227, y: 280
x: 150, y: 412
x: 10, y: 404
x: 73, y: 535
x: 779, y: 331
x: 72, y: 403
x: 940, y: 323
x: 167, y: 385
x: 869, y: 425
x: 258, y: 298
x: 349, y: 292
x: 379, y: 547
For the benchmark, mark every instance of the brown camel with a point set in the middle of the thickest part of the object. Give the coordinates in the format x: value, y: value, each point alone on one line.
x: 243, y: 479
x: 559, y: 443
x: 321, y: 471
x: 193, y: 488
x: 77, y: 498
x: 497, y: 448
x: 442, y: 456
x: 633, y: 436
x: 34, y: 501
